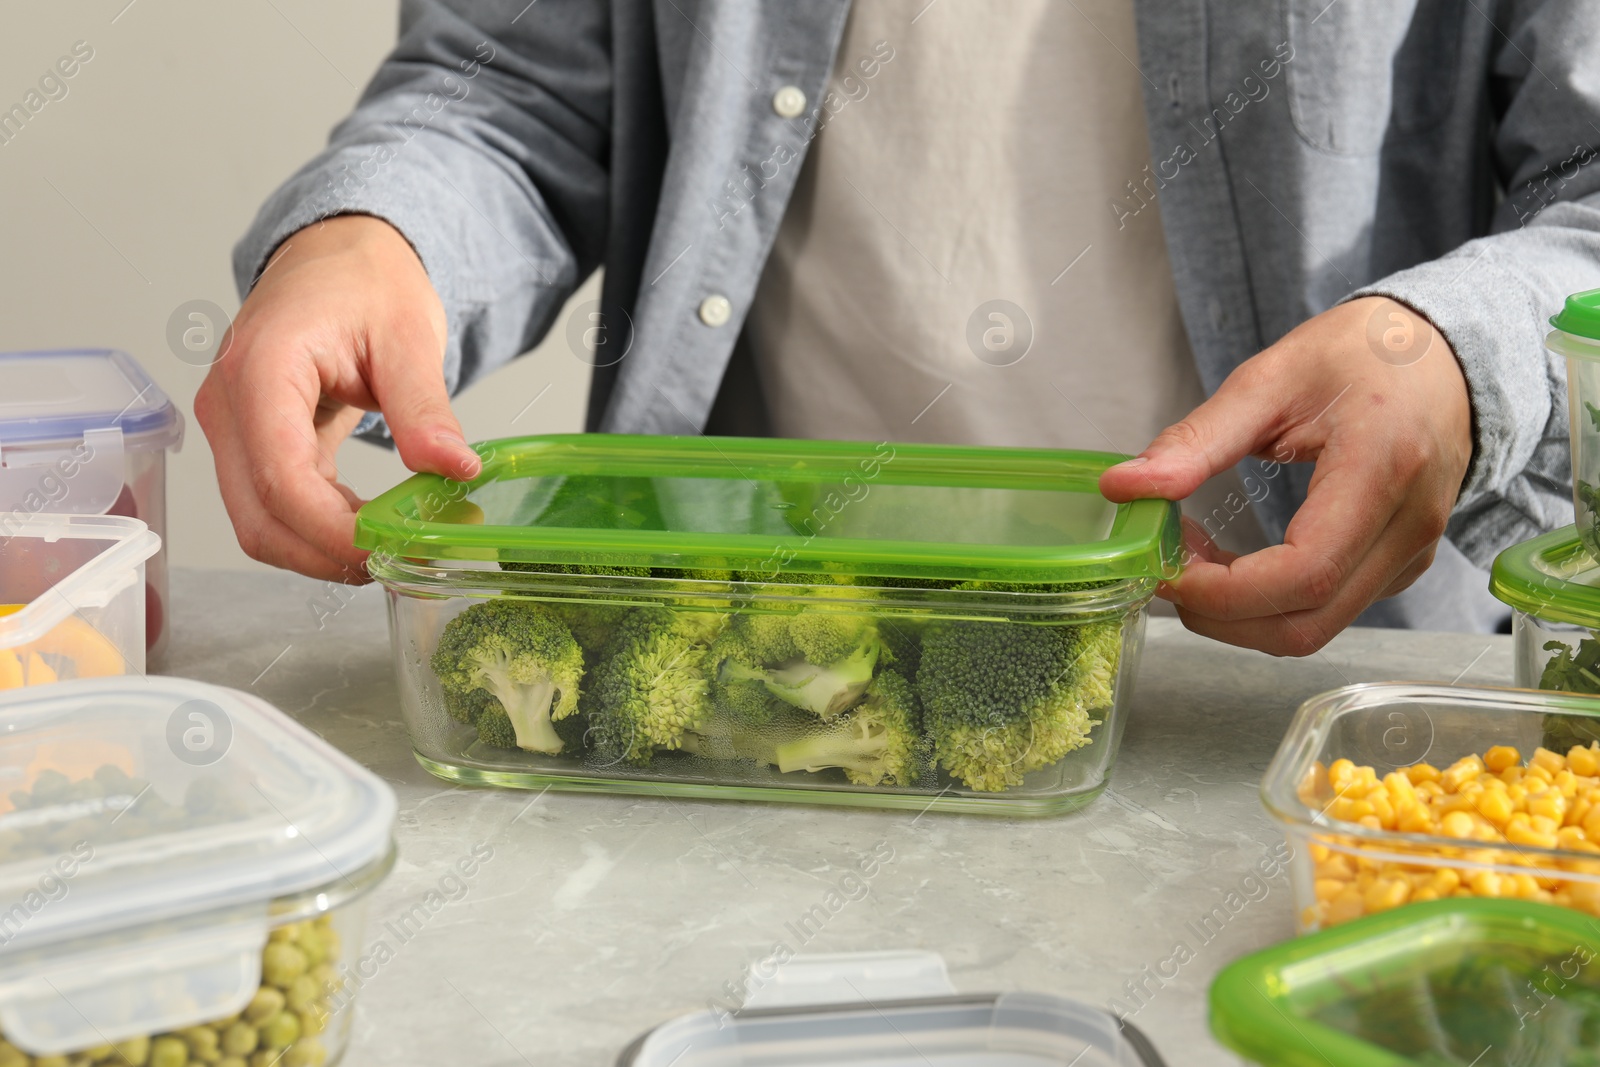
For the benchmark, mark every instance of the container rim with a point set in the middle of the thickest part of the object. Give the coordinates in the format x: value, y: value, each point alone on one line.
x: 93, y: 584
x: 1314, y: 720
x: 424, y: 579
x: 421, y: 517
x: 150, y: 417
x: 1540, y: 577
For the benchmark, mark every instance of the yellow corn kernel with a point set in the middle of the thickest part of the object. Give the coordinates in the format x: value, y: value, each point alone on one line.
x: 1311, y: 917
x: 1584, y: 760
x: 1518, y: 834
x: 1327, y: 888
x: 1485, y: 884
x: 1569, y: 837
x: 1500, y: 757
x: 1585, y: 895
x: 1591, y: 824
x: 1495, y: 806
x: 1371, y: 822
x: 1445, y: 880
x: 1576, y: 811
x: 1542, y: 774
x: 1544, y: 824
x: 1340, y: 773
x: 1417, y: 820
x: 1550, y: 761
x: 1567, y: 782
x: 1429, y: 787
x: 1424, y: 894
x: 1463, y: 769
x: 1319, y: 852
x: 1382, y: 809
x: 1456, y: 824
x: 1335, y: 866
x: 1346, y: 906
x: 1386, y: 893
x: 1550, y: 804
x: 1523, y: 885
x: 1422, y: 772
x: 1512, y: 775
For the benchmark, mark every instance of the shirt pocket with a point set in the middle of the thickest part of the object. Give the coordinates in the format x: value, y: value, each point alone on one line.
x: 1341, y: 78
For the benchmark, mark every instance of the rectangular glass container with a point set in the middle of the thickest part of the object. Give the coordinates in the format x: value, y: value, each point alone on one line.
x: 1338, y: 864
x: 754, y: 619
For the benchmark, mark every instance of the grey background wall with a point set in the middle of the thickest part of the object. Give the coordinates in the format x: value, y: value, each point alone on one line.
x: 121, y: 200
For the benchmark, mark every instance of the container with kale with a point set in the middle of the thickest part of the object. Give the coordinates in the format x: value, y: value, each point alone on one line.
x: 1576, y: 337
x: 909, y: 626
x: 1553, y: 586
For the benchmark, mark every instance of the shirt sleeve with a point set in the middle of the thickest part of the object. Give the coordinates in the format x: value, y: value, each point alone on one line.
x: 482, y: 138
x: 1491, y: 298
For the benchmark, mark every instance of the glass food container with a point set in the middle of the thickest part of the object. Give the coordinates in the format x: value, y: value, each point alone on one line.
x: 1485, y: 983
x: 72, y: 601
x: 1553, y: 587
x: 909, y: 626
x: 1577, y: 337
x: 890, y: 1009
x: 182, y: 873
x: 86, y: 432
x: 1529, y: 837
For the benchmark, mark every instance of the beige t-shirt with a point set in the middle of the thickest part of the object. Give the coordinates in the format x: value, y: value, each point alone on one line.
x: 951, y: 267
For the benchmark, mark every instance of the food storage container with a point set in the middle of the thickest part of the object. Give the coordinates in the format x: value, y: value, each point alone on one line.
x: 1553, y: 588
x: 1577, y: 337
x: 182, y: 870
x: 889, y: 1009
x: 1485, y: 983
x: 72, y: 598
x: 1398, y: 793
x: 910, y: 626
x: 86, y: 432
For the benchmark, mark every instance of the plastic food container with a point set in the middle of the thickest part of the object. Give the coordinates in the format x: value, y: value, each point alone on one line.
x: 73, y: 594
x: 890, y: 1009
x: 1491, y: 983
x: 1342, y: 868
x: 834, y: 622
x: 1577, y: 337
x: 86, y: 432
x: 183, y: 870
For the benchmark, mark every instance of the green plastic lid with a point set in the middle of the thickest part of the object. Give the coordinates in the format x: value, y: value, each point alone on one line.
x: 770, y: 505
x: 1580, y: 316
x: 1480, y: 981
x: 1550, y: 577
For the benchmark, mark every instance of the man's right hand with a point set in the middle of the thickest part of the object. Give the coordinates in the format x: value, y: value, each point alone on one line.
x: 343, y: 321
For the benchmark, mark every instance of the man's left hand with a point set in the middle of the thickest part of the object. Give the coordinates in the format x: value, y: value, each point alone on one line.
x: 1371, y: 392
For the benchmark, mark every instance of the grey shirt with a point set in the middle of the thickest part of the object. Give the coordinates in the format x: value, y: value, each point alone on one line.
x: 1302, y: 151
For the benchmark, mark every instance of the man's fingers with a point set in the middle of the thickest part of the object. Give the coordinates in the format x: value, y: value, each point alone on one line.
x: 1335, y: 530
x: 262, y: 536
x: 406, y: 378
x: 285, y: 459
x: 1238, y: 421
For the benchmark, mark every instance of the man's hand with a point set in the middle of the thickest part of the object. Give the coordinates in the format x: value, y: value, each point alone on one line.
x: 342, y: 321
x: 1372, y: 393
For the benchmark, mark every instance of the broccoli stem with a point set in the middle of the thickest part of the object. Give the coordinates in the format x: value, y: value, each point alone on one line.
x: 830, y: 748
x: 528, y: 708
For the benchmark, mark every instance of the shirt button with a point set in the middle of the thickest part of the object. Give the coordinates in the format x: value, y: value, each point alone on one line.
x: 789, y: 101
x: 715, y: 310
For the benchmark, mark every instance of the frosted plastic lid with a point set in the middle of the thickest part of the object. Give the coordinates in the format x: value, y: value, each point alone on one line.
x: 63, y: 394
x: 152, y: 831
x: 869, y: 1027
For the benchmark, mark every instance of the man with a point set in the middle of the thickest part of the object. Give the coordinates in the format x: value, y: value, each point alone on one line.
x: 1045, y: 222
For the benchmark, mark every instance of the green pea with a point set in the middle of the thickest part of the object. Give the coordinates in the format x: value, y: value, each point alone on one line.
x: 307, y: 1052
x: 240, y: 1039
x: 264, y: 1059
x: 49, y: 1061
x: 168, y: 1051
x: 303, y: 992
x: 282, y: 963
x: 135, y: 1051
x: 264, y: 1005
x: 233, y: 1061
x: 99, y: 1052
x: 281, y: 1030
x: 310, y: 943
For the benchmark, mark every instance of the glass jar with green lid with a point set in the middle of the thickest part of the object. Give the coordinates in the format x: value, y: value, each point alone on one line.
x: 915, y: 626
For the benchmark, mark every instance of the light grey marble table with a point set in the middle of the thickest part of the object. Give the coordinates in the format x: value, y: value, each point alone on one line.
x: 597, y: 917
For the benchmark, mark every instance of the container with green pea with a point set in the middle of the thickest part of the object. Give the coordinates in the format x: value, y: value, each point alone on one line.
x: 182, y: 874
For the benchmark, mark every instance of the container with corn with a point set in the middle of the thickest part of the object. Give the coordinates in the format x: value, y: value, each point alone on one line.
x: 1400, y: 793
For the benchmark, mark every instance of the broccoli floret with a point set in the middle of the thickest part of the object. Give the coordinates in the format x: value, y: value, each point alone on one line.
x: 494, y: 728
x: 652, y: 683
x: 520, y: 654
x: 1001, y: 699
x: 819, y: 661
x: 591, y: 623
x: 468, y: 707
x: 877, y: 742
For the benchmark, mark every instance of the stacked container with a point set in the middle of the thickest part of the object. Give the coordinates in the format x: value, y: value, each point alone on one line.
x: 182, y: 871
x: 86, y: 432
x: 828, y: 622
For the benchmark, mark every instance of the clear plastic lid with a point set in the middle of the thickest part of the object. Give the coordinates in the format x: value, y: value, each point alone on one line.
x: 61, y: 395
x: 152, y: 831
x: 889, y: 1009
